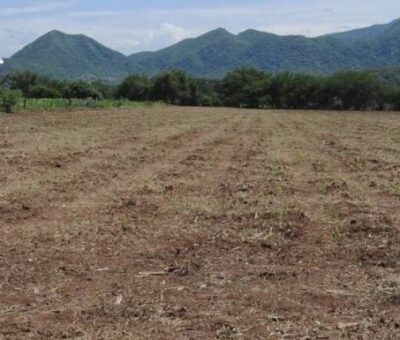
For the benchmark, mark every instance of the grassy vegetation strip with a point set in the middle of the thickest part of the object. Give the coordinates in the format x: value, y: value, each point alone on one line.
x: 40, y: 105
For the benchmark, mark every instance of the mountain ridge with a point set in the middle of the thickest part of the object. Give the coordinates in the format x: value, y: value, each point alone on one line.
x: 213, y: 54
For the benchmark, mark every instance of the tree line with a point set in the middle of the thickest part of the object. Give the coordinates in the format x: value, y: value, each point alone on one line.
x: 245, y: 88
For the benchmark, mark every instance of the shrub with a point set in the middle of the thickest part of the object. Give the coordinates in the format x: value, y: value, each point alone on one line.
x: 81, y: 90
x: 134, y: 88
x: 41, y: 91
x: 9, y: 99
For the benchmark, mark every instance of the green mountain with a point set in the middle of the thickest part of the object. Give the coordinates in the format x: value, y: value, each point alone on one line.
x: 364, y: 33
x: 213, y: 54
x: 217, y: 52
x: 64, y: 56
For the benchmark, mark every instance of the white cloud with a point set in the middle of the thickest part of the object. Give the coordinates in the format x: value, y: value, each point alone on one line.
x: 172, y: 31
x: 130, y: 41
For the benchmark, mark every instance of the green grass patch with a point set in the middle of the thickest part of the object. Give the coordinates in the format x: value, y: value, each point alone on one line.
x: 40, y: 105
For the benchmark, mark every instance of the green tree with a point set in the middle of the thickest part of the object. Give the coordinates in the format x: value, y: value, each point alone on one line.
x: 295, y: 91
x: 351, y: 91
x: 245, y: 88
x: 134, y: 87
x: 107, y: 90
x: 206, y: 92
x: 174, y: 87
x: 395, y: 99
x: 21, y: 80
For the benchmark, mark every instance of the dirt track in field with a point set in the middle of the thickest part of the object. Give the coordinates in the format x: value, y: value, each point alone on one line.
x: 190, y: 223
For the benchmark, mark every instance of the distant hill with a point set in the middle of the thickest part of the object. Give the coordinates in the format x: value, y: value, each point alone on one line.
x: 217, y: 52
x: 64, y: 56
x: 213, y: 54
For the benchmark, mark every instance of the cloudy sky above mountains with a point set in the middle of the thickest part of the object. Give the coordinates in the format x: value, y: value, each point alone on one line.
x: 132, y: 26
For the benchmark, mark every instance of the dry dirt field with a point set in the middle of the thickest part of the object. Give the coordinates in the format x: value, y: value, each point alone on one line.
x: 190, y: 223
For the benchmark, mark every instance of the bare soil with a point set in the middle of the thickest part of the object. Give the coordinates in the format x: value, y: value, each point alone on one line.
x: 190, y: 223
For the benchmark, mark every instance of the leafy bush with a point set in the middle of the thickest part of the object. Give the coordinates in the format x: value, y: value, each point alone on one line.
x: 81, y: 90
x: 9, y: 99
x: 134, y: 88
x: 41, y: 91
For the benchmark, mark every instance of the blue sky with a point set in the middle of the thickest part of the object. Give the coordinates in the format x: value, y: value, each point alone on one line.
x: 132, y: 26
